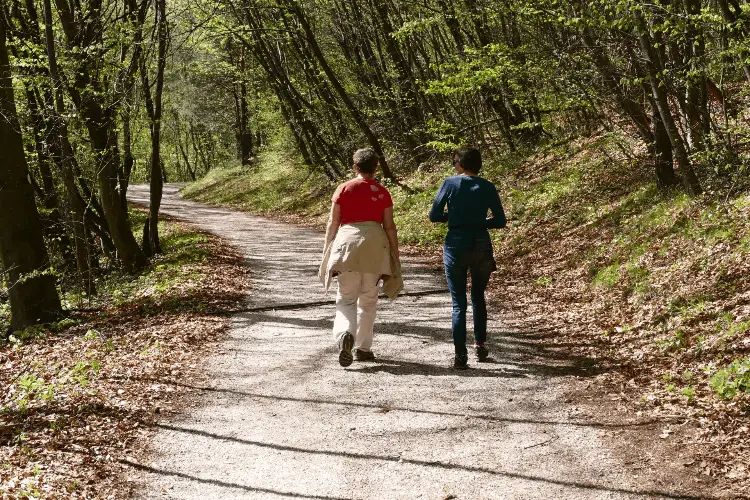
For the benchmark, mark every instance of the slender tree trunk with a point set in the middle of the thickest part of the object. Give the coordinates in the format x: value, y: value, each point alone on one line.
x: 54, y: 227
x: 52, y: 220
x: 196, y: 141
x: 630, y: 108
x: 190, y: 170
x: 151, y: 244
x: 662, y: 153
x: 32, y: 291
x: 245, y: 136
x: 157, y: 170
x: 350, y: 106
x: 100, y: 121
x: 62, y: 148
x: 316, y: 150
x: 128, y: 160
x: 407, y: 102
x: 696, y: 95
x: 689, y: 179
x: 731, y: 17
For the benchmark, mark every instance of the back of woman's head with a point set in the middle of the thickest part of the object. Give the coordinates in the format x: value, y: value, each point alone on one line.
x: 470, y: 159
x: 366, y: 160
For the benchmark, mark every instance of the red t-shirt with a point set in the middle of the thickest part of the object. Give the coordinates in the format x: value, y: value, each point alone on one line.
x: 362, y: 200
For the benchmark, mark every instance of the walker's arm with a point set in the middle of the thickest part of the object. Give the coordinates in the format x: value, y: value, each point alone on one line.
x: 334, y: 221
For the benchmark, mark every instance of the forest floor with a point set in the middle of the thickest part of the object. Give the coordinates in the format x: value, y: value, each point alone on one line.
x: 275, y: 416
x: 79, y: 398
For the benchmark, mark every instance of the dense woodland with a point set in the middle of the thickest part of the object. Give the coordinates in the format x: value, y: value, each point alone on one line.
x: 96, y: 94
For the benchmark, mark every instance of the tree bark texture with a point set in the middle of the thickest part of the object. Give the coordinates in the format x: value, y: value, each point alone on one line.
x: 33, y: 295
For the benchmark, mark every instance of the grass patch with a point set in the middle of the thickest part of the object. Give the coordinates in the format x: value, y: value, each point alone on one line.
x: 275, y: 184
x: 607, y: 276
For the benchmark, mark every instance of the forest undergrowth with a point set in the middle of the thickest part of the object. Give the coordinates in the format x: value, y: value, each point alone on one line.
x: 649, y: 290
x: 82, y: 393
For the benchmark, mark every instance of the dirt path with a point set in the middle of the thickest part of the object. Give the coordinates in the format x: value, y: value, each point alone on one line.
x: 278, y: 417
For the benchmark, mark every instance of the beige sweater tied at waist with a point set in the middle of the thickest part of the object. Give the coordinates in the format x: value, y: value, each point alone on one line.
x: 362, y: 247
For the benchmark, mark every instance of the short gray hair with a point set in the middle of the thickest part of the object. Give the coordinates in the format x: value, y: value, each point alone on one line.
x: 366, y: 160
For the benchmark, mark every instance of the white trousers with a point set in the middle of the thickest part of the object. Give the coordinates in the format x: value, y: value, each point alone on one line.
x: 356, y: 302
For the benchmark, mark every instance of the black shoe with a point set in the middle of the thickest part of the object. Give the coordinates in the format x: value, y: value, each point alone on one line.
x: 345, y: 355
x: 360, y: 355
x: 461, y: 363
x: 481, y: 351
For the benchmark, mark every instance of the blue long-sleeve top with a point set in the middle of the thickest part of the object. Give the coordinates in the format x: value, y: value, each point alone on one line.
x: 468, y: 199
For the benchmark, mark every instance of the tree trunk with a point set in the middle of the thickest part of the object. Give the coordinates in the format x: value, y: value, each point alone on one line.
x: 128, y: 160
x: 189, y: 168
x: 316, y: 150
x: 64, y: 153
x: 696, y: 94
x: 630, y: 108
x: 662, y: 153
x: 33, y: 295
x: 245, y: 136
x: 689, y: 179
x: 157, y: 179
x: 101, y: 127
x: 350, y: 106
x: 196, y: 142
x: 52, y: 221
x: 151, y: 244
x: 100, y: 121
x: 730, y: 16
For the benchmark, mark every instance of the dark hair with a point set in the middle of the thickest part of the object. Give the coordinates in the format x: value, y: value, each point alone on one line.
x: 470, y: 159
x: 366, y: 160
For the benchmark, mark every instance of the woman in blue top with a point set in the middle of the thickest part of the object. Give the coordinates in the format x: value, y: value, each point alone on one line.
x: 468, y: 247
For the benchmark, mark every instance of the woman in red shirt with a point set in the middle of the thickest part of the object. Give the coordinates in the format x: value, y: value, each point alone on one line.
x: 361, y: 246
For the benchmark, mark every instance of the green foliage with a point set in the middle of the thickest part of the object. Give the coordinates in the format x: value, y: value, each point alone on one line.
x: 544, y: 281
x: 166, y: 272
x: 607, y: 276
x: 29, y: 333
x: 638, y: 275
x: 411, y: 209
x: 31, y: 388
x: 688, y: 392
x: 729, y: 329
x: 733, y: 379
x: 83, y: 370
x: 677, y: 340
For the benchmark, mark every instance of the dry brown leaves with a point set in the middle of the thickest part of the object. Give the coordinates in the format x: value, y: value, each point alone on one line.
x: 654, y: 350
x: 78, y: 402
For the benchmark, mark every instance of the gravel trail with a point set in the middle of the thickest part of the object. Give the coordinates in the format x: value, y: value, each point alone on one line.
x: 279, y: 418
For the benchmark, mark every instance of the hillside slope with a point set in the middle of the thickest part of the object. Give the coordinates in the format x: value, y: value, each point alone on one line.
x: 650, y: 291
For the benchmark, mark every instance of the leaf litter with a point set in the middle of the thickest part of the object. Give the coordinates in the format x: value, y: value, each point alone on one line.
x: 79, y: 403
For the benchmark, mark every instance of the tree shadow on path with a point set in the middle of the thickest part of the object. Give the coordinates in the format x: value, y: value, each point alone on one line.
x: 225, y: 484
x: 427, y: 463
x: 377, y: 407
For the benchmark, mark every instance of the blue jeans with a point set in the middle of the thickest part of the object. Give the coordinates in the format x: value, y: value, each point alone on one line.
x: 468, y: 251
